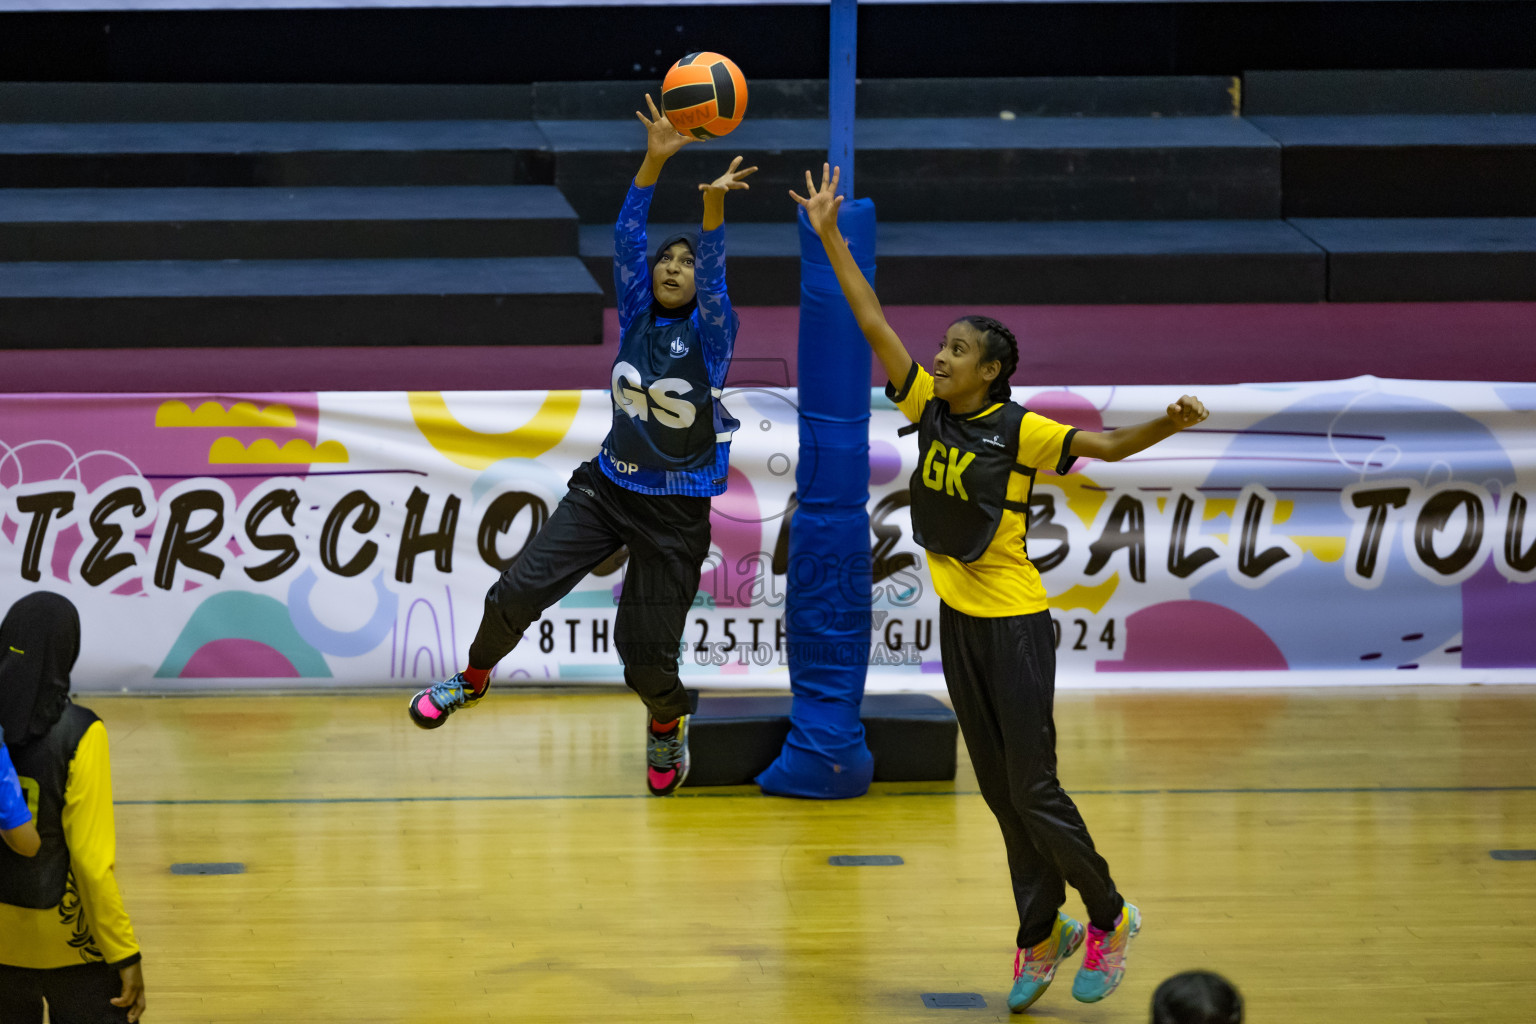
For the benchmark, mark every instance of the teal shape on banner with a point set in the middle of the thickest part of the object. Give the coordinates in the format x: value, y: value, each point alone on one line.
x: 237, y: 615
x: 330, y: 641
x: 588, y: 599
x: 593, y: 673
x: 517, y: 474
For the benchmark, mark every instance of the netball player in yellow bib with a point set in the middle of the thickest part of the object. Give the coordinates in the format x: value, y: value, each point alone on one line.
x: 978, y: 454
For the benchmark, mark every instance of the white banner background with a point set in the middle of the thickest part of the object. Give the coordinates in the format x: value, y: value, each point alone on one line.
x: 1151, y: 581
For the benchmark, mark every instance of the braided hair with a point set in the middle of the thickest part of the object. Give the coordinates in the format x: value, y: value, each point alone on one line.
x: 999, y: 344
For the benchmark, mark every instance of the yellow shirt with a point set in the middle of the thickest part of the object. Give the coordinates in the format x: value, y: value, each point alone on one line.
x: 1002, y: 581
x: 90, y: 924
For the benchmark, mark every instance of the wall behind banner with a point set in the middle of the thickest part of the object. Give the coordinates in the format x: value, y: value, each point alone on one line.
x: 1367, y: 530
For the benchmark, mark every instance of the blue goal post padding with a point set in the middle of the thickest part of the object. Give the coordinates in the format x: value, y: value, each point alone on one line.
x: 827, y: 620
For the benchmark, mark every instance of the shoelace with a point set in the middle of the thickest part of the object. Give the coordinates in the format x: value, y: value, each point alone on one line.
x: 1101, y: 947
x: 1025, y: 962
x: 449, y: 693
x: 664, y: 750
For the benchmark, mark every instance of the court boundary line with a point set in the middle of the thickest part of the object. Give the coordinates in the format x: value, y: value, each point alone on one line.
x: 551, y: 797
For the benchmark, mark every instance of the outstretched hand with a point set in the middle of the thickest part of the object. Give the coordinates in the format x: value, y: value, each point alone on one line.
x: 662, y: 139
x: 821, y: 204
x: 730, y: 180
x: 1187, y: 411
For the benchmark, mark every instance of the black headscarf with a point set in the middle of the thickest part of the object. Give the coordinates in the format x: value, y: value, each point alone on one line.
x: 683, y: 312
x: 39, y: 642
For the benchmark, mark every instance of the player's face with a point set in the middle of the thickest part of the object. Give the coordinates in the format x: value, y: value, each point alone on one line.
x: 957, y: 376
x: 672, y: 280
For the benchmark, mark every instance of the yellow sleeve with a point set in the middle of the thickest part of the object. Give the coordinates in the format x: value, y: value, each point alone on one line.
x: 914, y: 393
x: 91, y: 835
x: 1043, y: 443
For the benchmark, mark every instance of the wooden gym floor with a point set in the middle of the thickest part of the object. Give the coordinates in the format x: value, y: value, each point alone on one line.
x: 1328, y: 851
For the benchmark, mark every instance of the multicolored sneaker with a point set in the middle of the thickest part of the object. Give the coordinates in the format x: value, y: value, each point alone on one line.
x: 1035, y: 967
x: 431, y: 707
x: 666, y: 757
x: 1104, y: 959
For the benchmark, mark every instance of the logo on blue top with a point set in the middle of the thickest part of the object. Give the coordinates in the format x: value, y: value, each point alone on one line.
x: 679, y: 347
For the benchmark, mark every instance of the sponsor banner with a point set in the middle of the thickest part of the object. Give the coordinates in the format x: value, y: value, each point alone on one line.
x: 1342, y: 531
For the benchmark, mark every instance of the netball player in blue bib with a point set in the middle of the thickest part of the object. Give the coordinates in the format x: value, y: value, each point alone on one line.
x: 970, y: 496
x: 649, y: 487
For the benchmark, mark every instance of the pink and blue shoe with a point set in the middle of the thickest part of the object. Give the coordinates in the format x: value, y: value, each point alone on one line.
x: 431, y: 707
x: 1034, y: 968
x: 666, y: 758
x: 1104, y: 959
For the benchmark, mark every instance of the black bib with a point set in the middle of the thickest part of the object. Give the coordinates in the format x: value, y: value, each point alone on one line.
x: 960, y: 487
x: 38, y: 882
x: 663, y: 404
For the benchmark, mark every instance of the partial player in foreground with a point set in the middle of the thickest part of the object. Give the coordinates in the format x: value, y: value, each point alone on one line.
x: 650, y: 486
x: 64, y: 935
x: 979, y: 452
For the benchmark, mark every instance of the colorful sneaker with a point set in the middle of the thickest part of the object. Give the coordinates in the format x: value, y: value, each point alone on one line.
x: 1104, y: 959
x: 1035, y: 967
x: 431, y: 707
x: 666, y: 757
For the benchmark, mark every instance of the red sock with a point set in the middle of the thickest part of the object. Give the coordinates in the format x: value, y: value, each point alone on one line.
x: 660, y: 727
x: 477, y: 678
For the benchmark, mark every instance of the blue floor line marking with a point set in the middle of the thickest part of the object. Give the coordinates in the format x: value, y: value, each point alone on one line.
x: 1278, y: 791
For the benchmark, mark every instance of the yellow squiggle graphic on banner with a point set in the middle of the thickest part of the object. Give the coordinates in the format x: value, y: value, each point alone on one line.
x: 266, y: 452
x: 1228, y: 507
x: 474, y: 450
x: 1327, y: 549
x: 176, y: 413
x: 1092, y: 598
x: 1081, y: 494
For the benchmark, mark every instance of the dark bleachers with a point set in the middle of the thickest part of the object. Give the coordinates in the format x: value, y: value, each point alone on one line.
x: 271, y: 153
x: 911, y: 736
x: 1034, y: 262
x: 266, y: 223
x: 989, y: 191
x: 921, y: 169
x: 63, y: 102
x: 283, y: 215
x: 127, y: 304
x: 1418, y: 184
x: 1406, y: 165
x: 1419, y: 259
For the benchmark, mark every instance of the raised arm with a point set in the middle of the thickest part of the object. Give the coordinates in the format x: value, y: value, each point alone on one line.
x: 1112, y: 446
x: 714, y: 193
x: 631, y: 271
x: 661, y: 141
x: 821, y: 208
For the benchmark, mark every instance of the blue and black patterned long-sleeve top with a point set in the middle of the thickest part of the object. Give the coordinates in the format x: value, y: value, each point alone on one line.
x: 670, y: 433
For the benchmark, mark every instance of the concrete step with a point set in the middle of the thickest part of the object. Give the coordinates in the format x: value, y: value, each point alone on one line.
x: 1427, y: 259
x: 943, y: 263
x: 197, y: 303
x: 272, y: 153
x: 947, y: 169
x: 1406, y: 165
x: 269, y: 223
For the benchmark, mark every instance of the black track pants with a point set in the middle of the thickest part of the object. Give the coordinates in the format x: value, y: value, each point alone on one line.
x: 1001, y: 675
x: 80, y: 994
x: 668, y: 540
